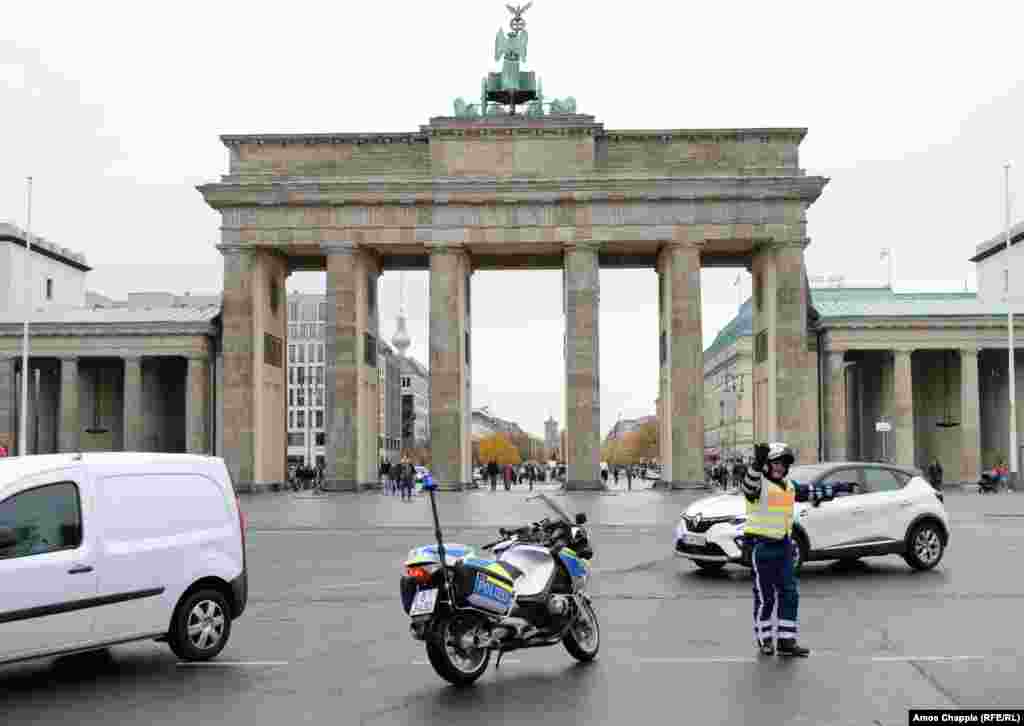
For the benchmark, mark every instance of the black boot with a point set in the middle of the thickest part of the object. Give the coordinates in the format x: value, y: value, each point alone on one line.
x: 767, y: 647
x: 788, y: 647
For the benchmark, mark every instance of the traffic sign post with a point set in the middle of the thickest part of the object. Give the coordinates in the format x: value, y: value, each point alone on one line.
x: 883, y: 427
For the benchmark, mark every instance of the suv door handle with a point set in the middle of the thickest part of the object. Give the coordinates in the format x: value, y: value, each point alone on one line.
x: 906, y: 503
x: 79, y: 569
x: 858, y: 510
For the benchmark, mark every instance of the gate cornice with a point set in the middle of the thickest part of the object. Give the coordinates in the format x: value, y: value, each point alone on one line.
x: 486, y: 190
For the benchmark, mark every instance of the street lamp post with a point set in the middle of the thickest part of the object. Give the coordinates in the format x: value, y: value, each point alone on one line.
x: 734, y: 385
x: 1014, y: 445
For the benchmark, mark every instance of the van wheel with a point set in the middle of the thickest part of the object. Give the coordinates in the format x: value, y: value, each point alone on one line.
x: 201, y: 626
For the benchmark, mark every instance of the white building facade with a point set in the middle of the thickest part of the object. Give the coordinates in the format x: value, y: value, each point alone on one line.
x: 999, y: 271
x: 58, y: 274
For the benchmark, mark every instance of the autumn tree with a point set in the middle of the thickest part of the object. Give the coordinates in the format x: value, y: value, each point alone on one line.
x: 647, y: 441
x: 498, y: 448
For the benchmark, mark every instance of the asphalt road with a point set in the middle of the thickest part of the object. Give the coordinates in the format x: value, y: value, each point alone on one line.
x: 324, y: 639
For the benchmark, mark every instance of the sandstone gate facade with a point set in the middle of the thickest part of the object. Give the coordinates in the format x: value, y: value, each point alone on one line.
x: 508, y: 192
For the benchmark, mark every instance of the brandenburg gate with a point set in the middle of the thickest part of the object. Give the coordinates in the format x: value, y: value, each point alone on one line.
x: 514, y: 183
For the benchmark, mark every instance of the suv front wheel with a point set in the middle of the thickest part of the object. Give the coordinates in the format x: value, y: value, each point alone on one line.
x: 925, y: 546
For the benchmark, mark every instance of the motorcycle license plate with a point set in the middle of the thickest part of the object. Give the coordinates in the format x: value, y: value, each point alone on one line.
x: 423, y: 603
x: 697, y: 540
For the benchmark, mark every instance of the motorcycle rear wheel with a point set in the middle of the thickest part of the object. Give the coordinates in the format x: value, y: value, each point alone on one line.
x: 448, y: 654
x: 584, y: 637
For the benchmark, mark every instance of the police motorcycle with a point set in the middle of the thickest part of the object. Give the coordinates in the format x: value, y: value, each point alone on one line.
x: 531, y: 594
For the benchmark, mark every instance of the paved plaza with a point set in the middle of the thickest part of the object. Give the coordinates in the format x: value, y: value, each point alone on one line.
x: 324, y: 639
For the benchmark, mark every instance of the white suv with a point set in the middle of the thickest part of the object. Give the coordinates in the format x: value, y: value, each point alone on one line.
x: 100, y: 549
x: 891, y: 510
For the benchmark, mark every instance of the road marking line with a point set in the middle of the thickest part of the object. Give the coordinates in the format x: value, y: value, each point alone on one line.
x: 236, y: 663
x: 503, y: 661
x: 875, y: 659
x: 353, y: 584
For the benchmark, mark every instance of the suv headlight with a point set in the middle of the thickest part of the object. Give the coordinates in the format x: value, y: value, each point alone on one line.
x: 738, y: 520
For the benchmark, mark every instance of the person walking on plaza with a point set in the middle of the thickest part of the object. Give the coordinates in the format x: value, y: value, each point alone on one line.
x: 492, y: 473
x: 935, y: 474
x: 615, y: 471
x: 604, y: 475
x: 770, y: 509
x: 533, y: 476
x: 408, y: 476
x: 629, y: 477
x: 508, y: 476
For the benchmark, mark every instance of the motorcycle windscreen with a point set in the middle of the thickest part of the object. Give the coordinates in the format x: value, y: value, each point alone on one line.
x: 428, y: 554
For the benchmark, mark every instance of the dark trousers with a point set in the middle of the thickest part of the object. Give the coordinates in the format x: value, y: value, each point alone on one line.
x: 776, y: 598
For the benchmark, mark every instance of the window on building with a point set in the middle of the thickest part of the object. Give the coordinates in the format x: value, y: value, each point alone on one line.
x: 1006, y: 281
x: 293, y: 311
x: 300, y: 419
x: 300, y: 397
x: 321, y: 438
x: 291, y: 419
x: 320, y: 353
x: 297, y: 439
x: 291, y: 396
x: 309, y: 312
x: 291, y: 375
x: 319, y: 397
x: 49, y: 288
x: 761, y: 347
x: 312, y: 352
x: 291, y: 353
x: 323, y: 311
x: 320, y: 376
x: 319, y: 419
x: 302, y: 353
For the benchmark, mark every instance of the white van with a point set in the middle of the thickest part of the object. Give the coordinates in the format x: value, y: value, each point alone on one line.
x: 106, y: 548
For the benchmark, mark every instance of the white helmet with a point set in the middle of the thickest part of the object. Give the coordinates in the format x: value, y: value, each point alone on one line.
x: 778, y: 451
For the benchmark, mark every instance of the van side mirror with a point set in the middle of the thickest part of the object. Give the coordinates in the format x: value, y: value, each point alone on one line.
x: 8, y: 537
x: 581, y: 519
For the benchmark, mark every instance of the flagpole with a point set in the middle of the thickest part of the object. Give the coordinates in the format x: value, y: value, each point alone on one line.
x: 1014, y: 444
x: 23, y: 424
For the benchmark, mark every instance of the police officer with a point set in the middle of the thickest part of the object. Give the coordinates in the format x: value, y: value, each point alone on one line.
x: 770, y: 498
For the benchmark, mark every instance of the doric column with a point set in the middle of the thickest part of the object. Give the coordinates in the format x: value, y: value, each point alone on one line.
x: 970, y: 417
x: 836, y: 422
x: 450, y: 404
x: 133, y: 415
x: 785, y: 371
x: 683, y: 403
x: 351, y: 373
x: 903, y: 408
x: 70, y: 418
x: 255, y: 391
x: 8, y: 404
x: 582, y: 289
x: 197, y: 381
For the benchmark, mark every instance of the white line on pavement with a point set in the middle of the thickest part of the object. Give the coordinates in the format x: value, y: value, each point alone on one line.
x: 854, y: 658
x: 228, y: 663
x: 503, y: 662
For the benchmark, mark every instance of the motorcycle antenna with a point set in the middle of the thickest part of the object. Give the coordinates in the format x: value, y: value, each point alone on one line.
x: 428, y: 484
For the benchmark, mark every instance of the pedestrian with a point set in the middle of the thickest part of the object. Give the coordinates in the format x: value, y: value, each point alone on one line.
x: 629, y: 477
x: 616, y: 472
x: 492, y: 473
x: 507, y: 475
x: 405, y: 480
x: 533, y: 476
x: 770, y: 499
x: 604, y: 475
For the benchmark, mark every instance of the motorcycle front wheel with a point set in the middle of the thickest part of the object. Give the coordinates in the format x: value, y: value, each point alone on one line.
x: 584, y: 637
x: 452, y: 651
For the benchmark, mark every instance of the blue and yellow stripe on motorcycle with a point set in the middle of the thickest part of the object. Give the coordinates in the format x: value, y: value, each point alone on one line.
x: 576, y: 566
x: 491, y: 566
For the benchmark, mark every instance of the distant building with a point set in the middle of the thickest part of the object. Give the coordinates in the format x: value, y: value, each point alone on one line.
x: 307, y: 396
x: 59, y: 272
x: 551, y: 442
x: 485, y: 424
x: 629, y: 425
x: 997, y: 269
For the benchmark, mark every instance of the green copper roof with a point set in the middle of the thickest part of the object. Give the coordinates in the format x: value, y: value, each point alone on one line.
x: 839, y: 303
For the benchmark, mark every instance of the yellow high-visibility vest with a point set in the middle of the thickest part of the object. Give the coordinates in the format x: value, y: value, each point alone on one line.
x: 772, y: 514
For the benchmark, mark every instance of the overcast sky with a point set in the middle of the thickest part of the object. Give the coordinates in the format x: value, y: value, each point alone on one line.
x: 116, y: 108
